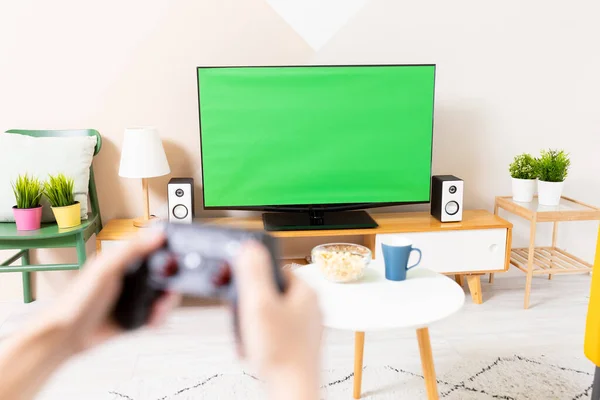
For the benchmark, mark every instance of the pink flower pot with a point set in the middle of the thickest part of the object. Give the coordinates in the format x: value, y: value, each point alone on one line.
x: 28, y: 219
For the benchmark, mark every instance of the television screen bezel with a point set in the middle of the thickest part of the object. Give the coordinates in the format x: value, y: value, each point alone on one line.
x: 310, y: 207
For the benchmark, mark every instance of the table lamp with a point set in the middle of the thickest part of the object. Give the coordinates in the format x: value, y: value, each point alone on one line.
x: 143, y: 156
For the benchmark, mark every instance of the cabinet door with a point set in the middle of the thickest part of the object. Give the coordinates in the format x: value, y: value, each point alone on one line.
x: 456, y: 251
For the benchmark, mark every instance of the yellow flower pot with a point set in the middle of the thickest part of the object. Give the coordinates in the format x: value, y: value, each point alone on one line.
x: 68, y: 216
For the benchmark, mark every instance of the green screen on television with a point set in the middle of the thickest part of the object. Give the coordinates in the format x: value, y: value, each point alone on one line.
x: 276, y: 136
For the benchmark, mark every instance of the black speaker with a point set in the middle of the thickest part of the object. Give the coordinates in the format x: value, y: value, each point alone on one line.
x: 447, y: 198
x: 180, y: 194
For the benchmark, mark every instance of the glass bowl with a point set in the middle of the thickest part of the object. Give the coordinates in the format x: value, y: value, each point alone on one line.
x: 341, y: 262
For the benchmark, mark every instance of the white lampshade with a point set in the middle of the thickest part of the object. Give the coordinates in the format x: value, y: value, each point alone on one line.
x: 143, y: 155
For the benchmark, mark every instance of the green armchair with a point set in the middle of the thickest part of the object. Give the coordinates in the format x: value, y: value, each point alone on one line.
x: 49, y: 236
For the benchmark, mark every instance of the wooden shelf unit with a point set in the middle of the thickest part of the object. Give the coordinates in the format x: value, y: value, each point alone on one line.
x: 549, y: 260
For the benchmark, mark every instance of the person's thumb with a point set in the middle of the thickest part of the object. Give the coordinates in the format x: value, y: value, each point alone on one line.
x: 254, y: 276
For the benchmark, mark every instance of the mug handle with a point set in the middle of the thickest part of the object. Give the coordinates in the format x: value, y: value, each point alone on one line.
x: 420, y: 255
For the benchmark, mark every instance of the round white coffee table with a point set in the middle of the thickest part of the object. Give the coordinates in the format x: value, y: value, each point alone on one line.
x: 374, y: 303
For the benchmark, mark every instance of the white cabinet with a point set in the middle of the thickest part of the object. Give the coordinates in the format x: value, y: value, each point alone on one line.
x: 457, y: 251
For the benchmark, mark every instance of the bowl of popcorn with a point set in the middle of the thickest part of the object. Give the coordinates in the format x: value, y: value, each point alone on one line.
x: 341, y: 262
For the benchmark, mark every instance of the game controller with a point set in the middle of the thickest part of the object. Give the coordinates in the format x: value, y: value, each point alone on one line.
x: 195, y: 260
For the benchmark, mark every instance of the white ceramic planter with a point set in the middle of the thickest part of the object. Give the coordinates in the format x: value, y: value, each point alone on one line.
x: 523, y: 189
x: 549, y: 193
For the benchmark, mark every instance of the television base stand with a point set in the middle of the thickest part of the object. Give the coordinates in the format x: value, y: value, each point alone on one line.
x: 317, y: 220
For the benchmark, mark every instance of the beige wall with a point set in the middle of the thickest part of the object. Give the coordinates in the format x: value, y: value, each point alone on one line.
x: 513, y: 76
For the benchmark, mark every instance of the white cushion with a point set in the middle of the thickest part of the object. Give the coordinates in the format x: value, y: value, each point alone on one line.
x: 40, y: 156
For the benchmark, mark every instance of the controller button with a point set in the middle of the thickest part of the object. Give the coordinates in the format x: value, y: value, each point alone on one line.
x: 232, y: 248
x: 170, y: 268
x: 192, y: 260
x: 223, y: 277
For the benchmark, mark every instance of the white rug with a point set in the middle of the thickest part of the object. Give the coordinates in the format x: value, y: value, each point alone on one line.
x: 505, y: 378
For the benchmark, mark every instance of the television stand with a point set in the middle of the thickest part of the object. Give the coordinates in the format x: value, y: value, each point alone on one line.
x: 479, y: 244
x: 317, y: 220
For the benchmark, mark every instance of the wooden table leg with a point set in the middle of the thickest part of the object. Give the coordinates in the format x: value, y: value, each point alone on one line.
x: 474, y: 283
x: 491, y: 280
x: 459, y: 279
x: 359, y: 346
x: 427, y: 363
x: 530, y: 262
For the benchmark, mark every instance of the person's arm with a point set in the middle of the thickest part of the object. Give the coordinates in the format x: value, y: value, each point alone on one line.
x: 78, y: 320
x: 29, y: 359
x: 281, y: 333
x: 300, y: 383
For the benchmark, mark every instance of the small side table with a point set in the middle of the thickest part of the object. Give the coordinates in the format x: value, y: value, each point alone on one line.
x: 375, y: 304
x: 549, y: 260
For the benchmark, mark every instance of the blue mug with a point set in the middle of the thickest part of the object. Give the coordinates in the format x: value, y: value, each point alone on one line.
x: 396, y: 252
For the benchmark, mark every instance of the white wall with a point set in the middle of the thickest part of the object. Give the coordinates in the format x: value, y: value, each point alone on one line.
x: 513, y: 76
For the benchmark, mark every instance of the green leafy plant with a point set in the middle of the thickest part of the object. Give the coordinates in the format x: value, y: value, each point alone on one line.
x: 553, y: 165
x: 28, y: 191
x: 524, y: 166
x: 59, y: 190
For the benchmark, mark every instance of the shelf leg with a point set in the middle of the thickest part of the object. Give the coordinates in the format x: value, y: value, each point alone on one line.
x: 491, y: 280
x: 530, y: 261
x: 554, y: 239
x: 474, y: 283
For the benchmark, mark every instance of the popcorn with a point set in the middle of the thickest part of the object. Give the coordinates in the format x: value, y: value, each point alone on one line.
x: 341, y: 262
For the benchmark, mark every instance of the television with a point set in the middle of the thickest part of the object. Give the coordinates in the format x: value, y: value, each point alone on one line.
x: 313, y: 144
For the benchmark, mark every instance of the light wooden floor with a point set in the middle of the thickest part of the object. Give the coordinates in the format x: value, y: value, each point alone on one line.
x: 201, y: 335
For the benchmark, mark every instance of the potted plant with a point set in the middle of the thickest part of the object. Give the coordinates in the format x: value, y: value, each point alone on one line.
x: 28, y: 211
x: 552, y: 169
x: 523, y: 172
x: 59, y: 191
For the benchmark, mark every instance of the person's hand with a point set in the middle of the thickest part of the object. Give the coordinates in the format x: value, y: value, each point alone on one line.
x: 83, y: 311
x: 80, y: 318
x: 281, y: 332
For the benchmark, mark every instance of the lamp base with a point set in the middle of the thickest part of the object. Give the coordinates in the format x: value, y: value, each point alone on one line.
x: 142, y: 222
